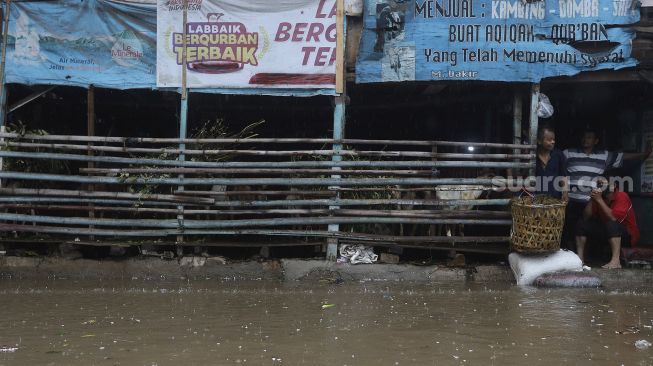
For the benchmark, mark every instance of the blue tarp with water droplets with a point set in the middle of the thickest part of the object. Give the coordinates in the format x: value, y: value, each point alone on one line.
x: 493, y: 40
x: 105, y: 43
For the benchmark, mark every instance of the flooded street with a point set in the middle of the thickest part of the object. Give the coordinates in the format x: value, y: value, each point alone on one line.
x: 210, y: 322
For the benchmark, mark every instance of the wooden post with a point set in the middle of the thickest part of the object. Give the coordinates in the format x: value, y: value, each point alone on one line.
x: 338, y: 116
x: 3, y: 86
x: 183, y: 115
x: 516, y: 125
x: 90, y: 129
x: 340, y: 46
x: 533, y: 119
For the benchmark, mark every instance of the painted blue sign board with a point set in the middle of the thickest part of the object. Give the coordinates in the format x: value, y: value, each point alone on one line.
x: 493, y: 40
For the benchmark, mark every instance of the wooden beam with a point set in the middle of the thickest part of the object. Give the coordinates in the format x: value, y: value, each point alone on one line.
x: 340, y: 46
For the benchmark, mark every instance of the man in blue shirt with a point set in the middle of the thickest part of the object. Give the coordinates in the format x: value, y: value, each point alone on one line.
x: 551, y: 166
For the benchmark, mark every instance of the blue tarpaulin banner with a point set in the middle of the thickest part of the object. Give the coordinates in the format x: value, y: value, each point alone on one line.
x: 493, y: 40
x: 105, y: 43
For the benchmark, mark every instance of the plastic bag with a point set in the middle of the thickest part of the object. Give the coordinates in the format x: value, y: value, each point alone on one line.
x: 358, y: 253
x: 544, y: 106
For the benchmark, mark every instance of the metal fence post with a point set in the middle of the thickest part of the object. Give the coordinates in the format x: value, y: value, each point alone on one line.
x: 183, y: 115
x: 533, y: 119
x: 338, y: 134
x: 338, y: 115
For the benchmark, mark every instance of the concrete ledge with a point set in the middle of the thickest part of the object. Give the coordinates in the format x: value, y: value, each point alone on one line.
x: 284, y: 270
x: 20, y: 267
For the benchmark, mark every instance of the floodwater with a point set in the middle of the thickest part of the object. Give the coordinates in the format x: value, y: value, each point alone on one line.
x: 217, y: 322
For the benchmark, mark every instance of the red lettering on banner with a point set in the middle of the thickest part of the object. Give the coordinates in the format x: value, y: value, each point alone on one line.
x: 283, y: 33
x: 299, y: 32
x: 320, y: 10
x: 332, y: 59
x: 314, y: 32
x: 320, y: 58
x: 331, y: 33
x: 307, y: 54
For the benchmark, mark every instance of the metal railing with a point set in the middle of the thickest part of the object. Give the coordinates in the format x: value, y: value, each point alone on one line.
x: 140, y: 188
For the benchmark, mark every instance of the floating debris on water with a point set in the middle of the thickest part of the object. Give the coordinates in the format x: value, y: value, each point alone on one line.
x: 5, y: 349
x: 642, y: 344
x: 629, y: 330
x: 327, y: 306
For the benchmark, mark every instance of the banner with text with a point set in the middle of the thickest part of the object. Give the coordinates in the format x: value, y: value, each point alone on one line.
x: 494, y: 40
x: 105, y: 43
x: 247, y: 44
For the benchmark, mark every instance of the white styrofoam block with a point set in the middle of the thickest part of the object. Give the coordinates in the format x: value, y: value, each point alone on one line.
x: 528, y: 267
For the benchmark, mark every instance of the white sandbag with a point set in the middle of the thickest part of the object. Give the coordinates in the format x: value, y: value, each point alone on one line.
x: 566, y: 279
x: 528, y: 267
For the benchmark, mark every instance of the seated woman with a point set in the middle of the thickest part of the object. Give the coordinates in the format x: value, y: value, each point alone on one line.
x: 610, y: 215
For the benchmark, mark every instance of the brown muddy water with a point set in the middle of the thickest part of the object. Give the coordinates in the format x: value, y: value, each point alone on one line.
x: 211, y: 322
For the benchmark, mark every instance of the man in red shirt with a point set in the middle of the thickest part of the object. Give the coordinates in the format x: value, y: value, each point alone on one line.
x: 608, y: 215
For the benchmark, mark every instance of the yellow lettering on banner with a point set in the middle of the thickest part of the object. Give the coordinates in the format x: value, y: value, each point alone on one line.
x: 202, y: 53
x: 180, y: 54
x: 249, y: 57
x: 179, y: 38
x: 246, y: 55
x: 215, y: 53
x: 228, y: 54
x: 192, y: 54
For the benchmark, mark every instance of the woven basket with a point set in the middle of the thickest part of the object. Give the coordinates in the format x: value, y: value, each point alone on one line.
x: 537, y: 224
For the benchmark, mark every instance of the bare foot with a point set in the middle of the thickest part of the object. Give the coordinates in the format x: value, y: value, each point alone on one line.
x: 611, y: 266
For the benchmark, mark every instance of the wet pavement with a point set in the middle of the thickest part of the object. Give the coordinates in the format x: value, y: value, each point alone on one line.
x: 217, y: 322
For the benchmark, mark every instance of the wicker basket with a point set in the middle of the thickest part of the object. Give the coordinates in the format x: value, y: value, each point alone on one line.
x: 537, y: 224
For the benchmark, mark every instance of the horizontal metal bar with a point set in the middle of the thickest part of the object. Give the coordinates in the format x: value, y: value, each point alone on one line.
x: 100, y: 194
x: 371, y: 238
x: 463, y: 245
x: 269, y: 164
x: 133, y: 140
x: 160, y: 151
x: 275, y: 203
x: 251, y: 171
x: 199, y: 243
x: 215, y: 224
x: 245, y: 181
x: 327, y: 193
x: 433, y: 214
x: 132, y: 203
